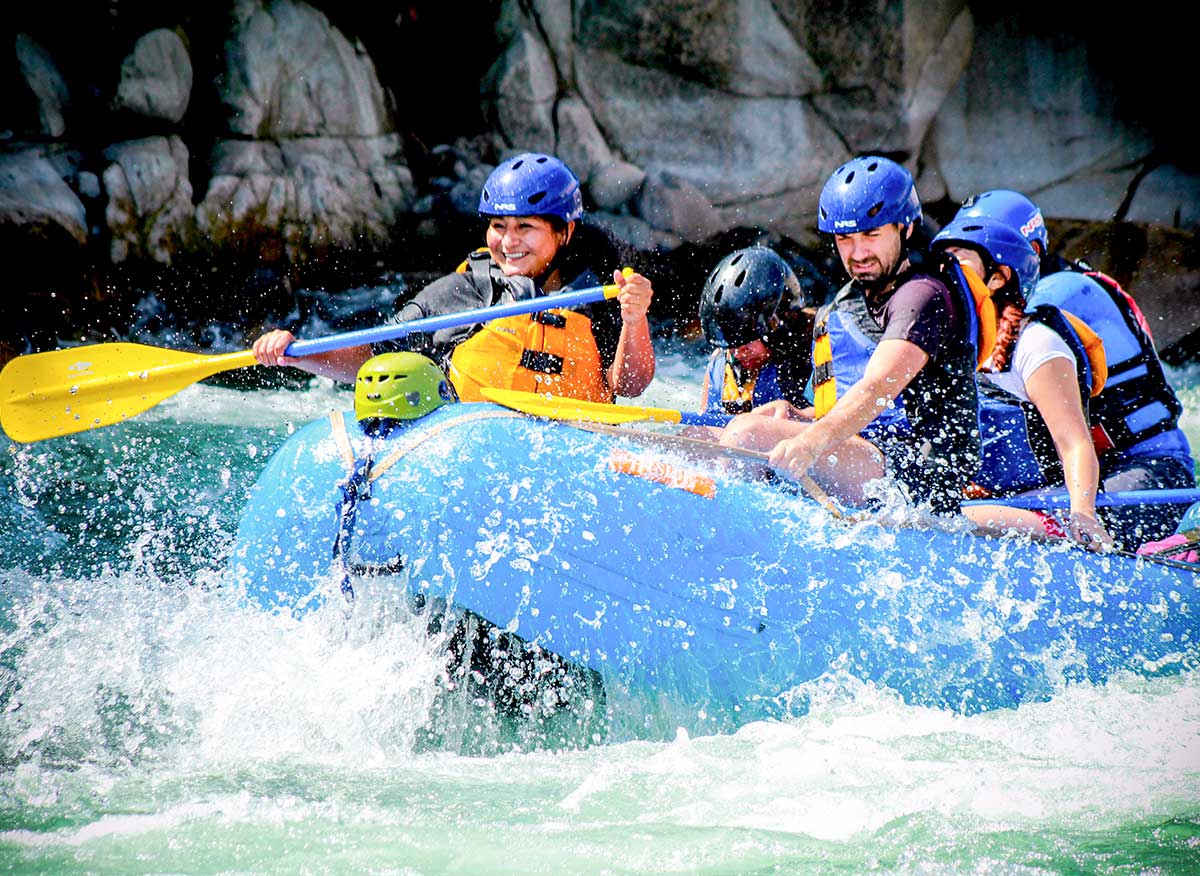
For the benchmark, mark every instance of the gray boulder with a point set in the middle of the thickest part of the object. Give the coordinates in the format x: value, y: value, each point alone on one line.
x: 156, y: 78
x: 322, y: 168
x: 1027, y: 116
x: 35, y: 199
x: 670, y: 203
x: 637, y: 233
x: 45, y: 83
x: 1167, y: 194
x: 520, y: 91
x: 612, y: 185
x: 580, y: 143
x: 290, y: 73
x: 305, y: 196
x: 149, y: 211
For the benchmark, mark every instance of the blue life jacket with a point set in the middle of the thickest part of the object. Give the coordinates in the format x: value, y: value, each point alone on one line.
x: 1018, y: 450
x: 939, y: 408
x: 1137, y: 413
x: 847, y: 323
x: 752, y: 391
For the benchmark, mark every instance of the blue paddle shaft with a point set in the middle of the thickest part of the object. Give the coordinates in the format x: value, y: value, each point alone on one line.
x: 1061, y: 499
x: 707, y: 418
x: 450, y: 320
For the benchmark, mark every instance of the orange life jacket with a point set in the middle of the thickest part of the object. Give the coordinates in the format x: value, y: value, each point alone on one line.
x: 553, y: 352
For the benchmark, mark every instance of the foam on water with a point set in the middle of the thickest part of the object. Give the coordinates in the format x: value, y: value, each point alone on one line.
x: 168, y: 727
x: 152, y: 722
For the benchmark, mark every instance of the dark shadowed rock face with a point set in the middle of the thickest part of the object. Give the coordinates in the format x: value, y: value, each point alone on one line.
x: 274, y: 142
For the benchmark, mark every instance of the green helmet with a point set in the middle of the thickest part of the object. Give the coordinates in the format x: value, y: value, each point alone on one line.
x: 400, y: 386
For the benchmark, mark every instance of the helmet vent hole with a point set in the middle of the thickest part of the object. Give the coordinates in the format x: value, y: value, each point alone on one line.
x: 741, y: 278
x: 717, y: 297
x: 542, y: 160
x: 382, y: 378
x: 517, y: 164
x: 849, y: 178
x: 873, y: 166
x: 874, y: 211
x: 536, y: 197
x: 413, y: 398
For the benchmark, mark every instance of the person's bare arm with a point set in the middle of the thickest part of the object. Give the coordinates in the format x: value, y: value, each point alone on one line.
x: 341, y: 365
x: 1055, y: 392
x: 633, y: 365
x: 890, y: 369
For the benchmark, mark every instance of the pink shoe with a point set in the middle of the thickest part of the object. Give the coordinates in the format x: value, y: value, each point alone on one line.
x: 1163, y: 549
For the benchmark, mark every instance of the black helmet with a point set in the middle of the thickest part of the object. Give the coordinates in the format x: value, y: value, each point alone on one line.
x: 743, y: 293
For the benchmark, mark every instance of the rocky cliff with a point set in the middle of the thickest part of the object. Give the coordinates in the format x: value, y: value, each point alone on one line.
x: 220, y: 154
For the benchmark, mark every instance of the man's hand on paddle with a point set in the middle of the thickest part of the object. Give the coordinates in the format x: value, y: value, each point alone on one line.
x: 796, y: 455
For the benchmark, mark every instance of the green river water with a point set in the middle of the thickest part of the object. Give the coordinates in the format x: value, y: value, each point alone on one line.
x: 152, y: 723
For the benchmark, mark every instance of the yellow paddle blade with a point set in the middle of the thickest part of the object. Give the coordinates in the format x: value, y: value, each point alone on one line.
x: 563, y: 408
x: 45, y: 395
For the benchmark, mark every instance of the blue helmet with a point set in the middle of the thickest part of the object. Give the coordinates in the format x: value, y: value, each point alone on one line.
x: 865, y: 193
x: 1013, y: 209
x: 532, y: 184
x: 996, y: 242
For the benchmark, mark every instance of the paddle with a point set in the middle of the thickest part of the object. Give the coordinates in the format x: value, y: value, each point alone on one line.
x: 46, y: 395
x: 1060, y: 499
x: 563, y: 408
x: 578, y: 410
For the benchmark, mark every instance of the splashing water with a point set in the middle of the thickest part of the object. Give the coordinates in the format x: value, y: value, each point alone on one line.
x: 152, y: 721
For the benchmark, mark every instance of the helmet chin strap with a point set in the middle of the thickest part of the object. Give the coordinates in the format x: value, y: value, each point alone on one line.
x: 906, y: 234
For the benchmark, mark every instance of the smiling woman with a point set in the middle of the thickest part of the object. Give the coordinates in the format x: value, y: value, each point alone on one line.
x: 526, y: 245
x: 536, y: 245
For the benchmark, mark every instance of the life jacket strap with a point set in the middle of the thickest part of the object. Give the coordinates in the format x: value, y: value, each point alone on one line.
x: 355, y: 486
x: 1093, y: 351
x: 337, y: 426
x: 363, y: 472
x: 541, y: 361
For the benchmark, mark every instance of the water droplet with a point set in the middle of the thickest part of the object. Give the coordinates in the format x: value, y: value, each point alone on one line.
x: 74, y: 389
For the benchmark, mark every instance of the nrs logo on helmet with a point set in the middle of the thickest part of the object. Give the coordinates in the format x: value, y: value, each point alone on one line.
x: 532, y: 184
x: 865, y: 193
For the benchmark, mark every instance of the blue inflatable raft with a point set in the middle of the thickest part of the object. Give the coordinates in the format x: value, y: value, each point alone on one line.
x: 662, y: 570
